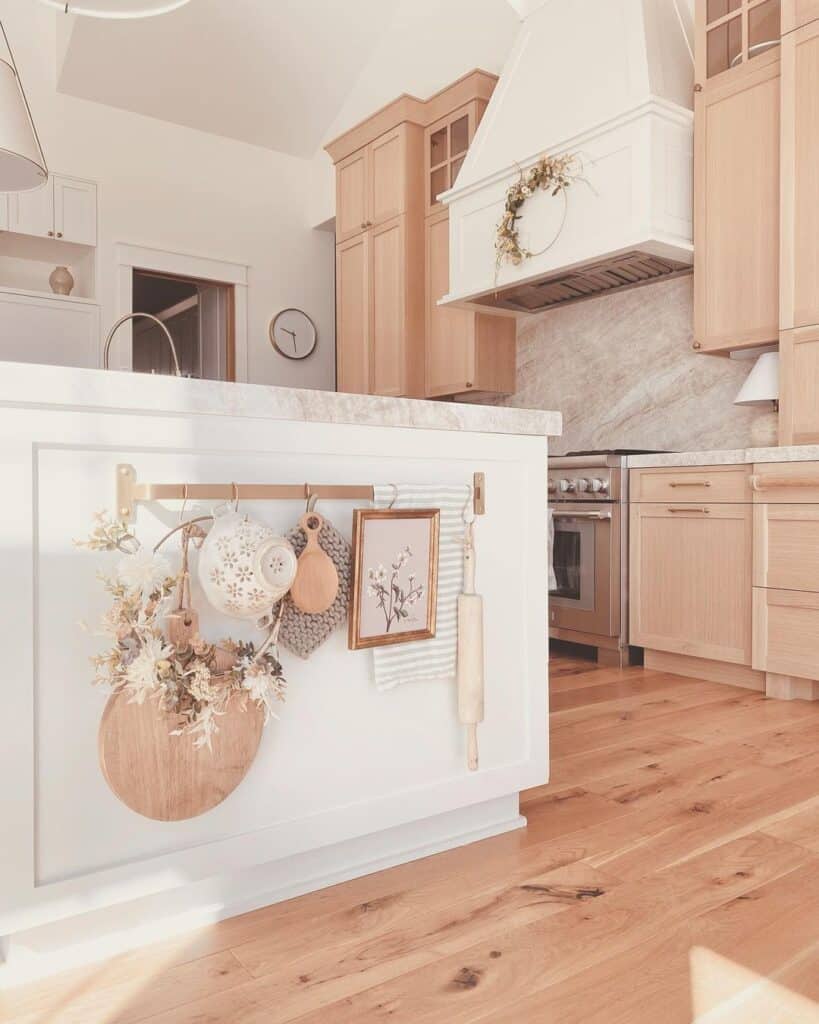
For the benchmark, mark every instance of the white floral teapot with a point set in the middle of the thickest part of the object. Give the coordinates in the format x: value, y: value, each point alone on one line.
x: 244, y: 566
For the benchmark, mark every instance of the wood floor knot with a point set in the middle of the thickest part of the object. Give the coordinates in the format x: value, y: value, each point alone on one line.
x: 466, y: 978
x: 564, y: 893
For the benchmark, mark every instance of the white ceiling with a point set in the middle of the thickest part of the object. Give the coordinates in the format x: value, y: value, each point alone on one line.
x: 270, y: 72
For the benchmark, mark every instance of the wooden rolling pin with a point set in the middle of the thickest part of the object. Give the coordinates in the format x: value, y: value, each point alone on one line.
x: 470, y: 652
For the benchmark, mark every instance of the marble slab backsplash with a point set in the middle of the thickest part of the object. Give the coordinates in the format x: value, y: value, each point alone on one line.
x: 622, y: 371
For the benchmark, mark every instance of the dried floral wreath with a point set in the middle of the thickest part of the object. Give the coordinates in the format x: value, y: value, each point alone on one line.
x: 551, y: 174
x: 195, y: 680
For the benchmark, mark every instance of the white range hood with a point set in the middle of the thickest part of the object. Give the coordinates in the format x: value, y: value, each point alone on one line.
x: 611, y: 81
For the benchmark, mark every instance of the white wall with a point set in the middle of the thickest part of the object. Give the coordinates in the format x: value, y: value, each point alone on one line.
x: 428, y: 44
x: 168, y: 187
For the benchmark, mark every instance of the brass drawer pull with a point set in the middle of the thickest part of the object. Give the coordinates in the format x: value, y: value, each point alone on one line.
x: 761, y: 483
x: 691, y: 508
x: 689, y: 483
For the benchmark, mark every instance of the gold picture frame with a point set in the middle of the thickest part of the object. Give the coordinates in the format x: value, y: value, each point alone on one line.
x: 389, y: 588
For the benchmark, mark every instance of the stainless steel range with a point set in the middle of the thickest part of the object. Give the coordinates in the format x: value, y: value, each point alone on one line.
x: 588, y: 492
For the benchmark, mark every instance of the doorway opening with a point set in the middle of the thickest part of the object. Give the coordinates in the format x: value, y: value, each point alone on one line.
x: 200, y: 317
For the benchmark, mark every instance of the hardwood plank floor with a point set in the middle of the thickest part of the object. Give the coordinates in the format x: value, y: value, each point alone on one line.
x: 669, y: 871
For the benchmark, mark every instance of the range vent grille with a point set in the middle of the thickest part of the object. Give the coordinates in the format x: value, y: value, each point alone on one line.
x: 628, y: 270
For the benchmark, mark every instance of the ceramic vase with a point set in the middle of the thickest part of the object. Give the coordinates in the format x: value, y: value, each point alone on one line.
x: 61, y: 281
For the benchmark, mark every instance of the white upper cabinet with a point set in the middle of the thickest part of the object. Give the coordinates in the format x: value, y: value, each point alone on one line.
x: 64, y: 208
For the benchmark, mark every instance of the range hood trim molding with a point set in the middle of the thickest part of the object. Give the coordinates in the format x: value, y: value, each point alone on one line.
x: 664, y: 108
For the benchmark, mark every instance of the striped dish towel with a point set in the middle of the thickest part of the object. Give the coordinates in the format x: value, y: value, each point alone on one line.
x: 435, y: 658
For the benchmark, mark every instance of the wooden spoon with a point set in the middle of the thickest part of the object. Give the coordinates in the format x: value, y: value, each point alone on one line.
x: 316, y: 584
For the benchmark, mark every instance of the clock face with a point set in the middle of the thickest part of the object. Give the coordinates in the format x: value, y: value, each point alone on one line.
x: 293, y: 334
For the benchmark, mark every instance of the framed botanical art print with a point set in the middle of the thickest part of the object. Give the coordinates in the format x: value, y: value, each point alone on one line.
x: 395, y: 576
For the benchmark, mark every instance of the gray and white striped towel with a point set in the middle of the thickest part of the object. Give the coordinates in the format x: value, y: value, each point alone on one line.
x: 435, y: 658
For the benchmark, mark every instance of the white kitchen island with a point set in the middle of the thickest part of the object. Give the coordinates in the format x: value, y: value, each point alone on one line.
x: 350, y: 779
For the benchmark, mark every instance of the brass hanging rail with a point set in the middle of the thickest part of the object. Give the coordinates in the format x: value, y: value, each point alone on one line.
x: 130, y: 491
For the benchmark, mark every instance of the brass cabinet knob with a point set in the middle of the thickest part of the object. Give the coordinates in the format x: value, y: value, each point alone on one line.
x: 469, y: 383
x: 697, y: 87
x: 59, y: 234
x: 363, y: 223
x: 697, y: 346
x: 51, y: 234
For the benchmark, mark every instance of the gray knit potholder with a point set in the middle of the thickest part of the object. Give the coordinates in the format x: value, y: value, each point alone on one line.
x: 302, y: 633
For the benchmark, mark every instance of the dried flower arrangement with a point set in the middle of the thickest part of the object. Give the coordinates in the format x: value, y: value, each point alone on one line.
x: 551, y: 174
x: 195, y: 680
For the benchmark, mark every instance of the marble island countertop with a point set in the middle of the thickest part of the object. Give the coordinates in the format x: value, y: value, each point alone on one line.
x: 727, y: 457
x: 37, y: 385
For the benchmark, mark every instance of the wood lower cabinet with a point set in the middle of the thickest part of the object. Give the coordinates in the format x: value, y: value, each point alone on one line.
x: 465, y: 351
x: 736, y: 210
x: 786, y: 632
x: 786, y: 547
x: 690, y: 579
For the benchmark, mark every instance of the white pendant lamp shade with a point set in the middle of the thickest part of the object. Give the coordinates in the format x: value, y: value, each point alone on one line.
x: 116, y: 8
x: 762, y: 383
x: 22, y: 164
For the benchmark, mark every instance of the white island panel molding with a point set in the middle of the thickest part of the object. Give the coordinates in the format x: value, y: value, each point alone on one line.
x: 348, y: 780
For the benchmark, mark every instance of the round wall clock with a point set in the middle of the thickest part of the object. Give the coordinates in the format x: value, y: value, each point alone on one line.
x: 293, y: 334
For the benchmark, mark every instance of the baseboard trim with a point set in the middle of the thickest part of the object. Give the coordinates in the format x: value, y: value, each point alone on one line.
x: 89, y: 938
x: 706, y: 668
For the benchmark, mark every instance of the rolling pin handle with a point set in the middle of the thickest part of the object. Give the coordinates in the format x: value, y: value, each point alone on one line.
x: 472, y: 746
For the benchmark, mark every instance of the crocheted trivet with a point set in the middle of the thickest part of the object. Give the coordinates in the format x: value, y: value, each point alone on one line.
x: 302, y: 633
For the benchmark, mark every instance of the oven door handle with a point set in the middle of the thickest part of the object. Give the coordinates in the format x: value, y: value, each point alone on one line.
x: 566, y: 514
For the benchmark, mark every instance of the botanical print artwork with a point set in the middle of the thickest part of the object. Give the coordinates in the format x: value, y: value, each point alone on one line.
x: 396, y: 599
x: 395, y: 576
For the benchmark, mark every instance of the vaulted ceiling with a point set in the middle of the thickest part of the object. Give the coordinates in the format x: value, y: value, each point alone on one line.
x: 269, y: 72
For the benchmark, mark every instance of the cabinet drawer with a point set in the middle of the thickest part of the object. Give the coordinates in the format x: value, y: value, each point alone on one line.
x: 691, y: 483
x: 786, y: 547
x: 789, y: 482
x: 786, y: 632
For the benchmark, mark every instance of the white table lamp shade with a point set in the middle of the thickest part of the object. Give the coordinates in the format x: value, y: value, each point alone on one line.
x: 22, y: 165
x: 116, y: 8
x: 762, y: 383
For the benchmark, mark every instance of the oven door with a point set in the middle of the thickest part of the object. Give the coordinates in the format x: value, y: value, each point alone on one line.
x: 586, y: 560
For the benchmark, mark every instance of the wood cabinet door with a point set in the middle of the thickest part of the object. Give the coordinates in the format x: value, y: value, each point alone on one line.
x: 786, y: 632
x: 736, y: 209
x: 32, y: 213
x: 388, y: 176
x: 75, y: 210
x: 690, y: 585
x: 353, y: 360
x: 450, y: 333
x: 786, y: 547
x: 799, y: 386
x: 799, y: 268
x: 352, y: 194
x: 796, y: 13
x: 388, y: 309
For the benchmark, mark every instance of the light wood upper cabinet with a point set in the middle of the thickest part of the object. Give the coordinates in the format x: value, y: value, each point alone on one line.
x: 465, y: 351
x: 388, y: 306
x: 690, y: 568
x: 353, y: 314
x: 736, y: 210
x: 446, y: 143
x: 352, y: 200
x: 799, y: 293
x: 388, y: 176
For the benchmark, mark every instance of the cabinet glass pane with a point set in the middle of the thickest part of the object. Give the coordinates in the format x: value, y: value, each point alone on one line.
x: 438, y: 149
x: 438, y: 182
x: 460, y: 135
x: 719, y: 8
x: 455, y: 168
x: 724, y: 46
x: 763, y: 27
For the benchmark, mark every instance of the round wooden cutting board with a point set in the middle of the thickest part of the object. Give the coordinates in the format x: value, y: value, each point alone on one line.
x: 165, y: 777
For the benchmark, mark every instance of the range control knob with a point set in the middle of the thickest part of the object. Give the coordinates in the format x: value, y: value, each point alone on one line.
x: 566, y: 485
x: 583, y: 484
x: 596, y: 485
